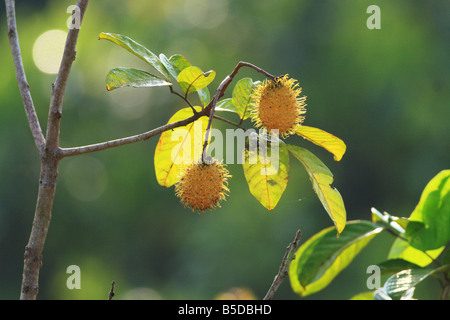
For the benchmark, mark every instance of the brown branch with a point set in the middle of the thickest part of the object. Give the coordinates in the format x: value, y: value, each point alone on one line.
x: 55, y: 110
x: 207, y: 111
x: 283, y: 270
x: 24, y: 88
x: 49, y: 168
x: 67, y: 152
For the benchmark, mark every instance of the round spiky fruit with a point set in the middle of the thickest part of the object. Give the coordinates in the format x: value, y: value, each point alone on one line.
x: 202, y: 185
x: 278, y: 105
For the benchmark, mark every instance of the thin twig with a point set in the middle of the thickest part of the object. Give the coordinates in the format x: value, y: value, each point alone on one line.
x: 283, y: 270
x: 229, y: 122
x: 184, y: 98
x: 111, y: 292
x: 24, y: 88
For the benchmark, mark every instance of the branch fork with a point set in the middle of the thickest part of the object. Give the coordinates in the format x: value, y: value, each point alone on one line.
x: 51, y: 153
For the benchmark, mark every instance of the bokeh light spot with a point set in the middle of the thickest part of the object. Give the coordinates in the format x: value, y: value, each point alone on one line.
x: 85, y: 178
x: 48, y: 50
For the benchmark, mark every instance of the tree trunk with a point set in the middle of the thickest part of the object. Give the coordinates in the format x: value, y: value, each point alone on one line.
x: 41, y: 222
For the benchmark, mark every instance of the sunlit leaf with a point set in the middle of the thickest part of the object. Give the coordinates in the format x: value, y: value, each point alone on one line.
x: 171, y: 68
x: 179, y: 147
x: 225, y: 105
x: 177, y: 63
x: 429, y: 225
x: 403, y: 283
x: 129, y: 77
x: 401, y: 249
x: 138, y: 50
x: 266, y: 169
x: 324, y: 139
x: 322, y: 257
x: 241, y: 97
x: 363, y: 296
x: 321, y: 179
x: 192, y: 79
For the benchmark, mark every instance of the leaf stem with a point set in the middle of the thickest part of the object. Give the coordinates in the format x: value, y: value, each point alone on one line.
x: 184, y: 98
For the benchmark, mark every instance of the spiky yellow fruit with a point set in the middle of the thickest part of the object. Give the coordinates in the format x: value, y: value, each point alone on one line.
x: 202, y: 186
x: 278, y: 105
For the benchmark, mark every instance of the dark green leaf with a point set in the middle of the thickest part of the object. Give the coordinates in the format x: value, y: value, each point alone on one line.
x: 320, y: 259
x: 129, y: 77
x: 138, y: 50
x: 396, y: 265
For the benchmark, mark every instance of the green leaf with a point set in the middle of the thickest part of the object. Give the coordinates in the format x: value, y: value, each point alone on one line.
x: 266, y: 169
x: 403, y: 283
x: 129, y: 77
x: 363, y: 296
x: 171, y: 68
x: 322, y: 257
x: 225, y: 105
x: 321, y: 179
x: 241, y: 101
x: 204, y: 96
x: 138, y: 50
x: 193, y: 79
x: 396, y: 265
x: 241, y: 97
x: 324, y: 139
x: 179, y: 147
x: 177, y: 63
x: 429, y: 226
x: 401, y: 249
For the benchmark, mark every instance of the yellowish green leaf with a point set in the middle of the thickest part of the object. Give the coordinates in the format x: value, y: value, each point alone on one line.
x: 324, y: 139
x: 402, y: 250
x: 321, y: 179
x: 192, y: 79
x: 179, y: 147
x: 266, y: 169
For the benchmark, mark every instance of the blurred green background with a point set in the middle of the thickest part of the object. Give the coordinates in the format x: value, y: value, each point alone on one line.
x: 384, y: 92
